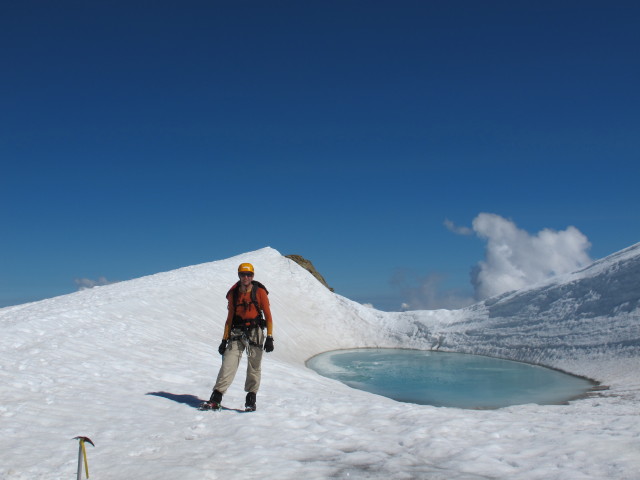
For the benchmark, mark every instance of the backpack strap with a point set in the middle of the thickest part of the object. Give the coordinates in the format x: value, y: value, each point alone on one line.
x: 254, y: 294
x: 234, y: 290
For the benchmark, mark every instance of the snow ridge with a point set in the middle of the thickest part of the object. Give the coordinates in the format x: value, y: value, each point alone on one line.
x: 583, y: 322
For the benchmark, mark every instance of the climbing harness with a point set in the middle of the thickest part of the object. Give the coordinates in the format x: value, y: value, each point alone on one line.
x: 243, y: 338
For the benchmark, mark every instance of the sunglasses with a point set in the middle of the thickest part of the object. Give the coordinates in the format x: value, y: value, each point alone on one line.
x: 246, y: 274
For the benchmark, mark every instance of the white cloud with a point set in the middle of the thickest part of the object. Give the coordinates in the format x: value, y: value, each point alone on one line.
x: 514, y: 258
x: 456, y: 229
x: 427, y: 292
x: 86, y: 283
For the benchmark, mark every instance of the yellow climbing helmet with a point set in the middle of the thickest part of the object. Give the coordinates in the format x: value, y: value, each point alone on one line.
x: 245, y: 267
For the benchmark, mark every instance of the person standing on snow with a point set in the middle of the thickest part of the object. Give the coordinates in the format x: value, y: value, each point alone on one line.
x: 243, y: 330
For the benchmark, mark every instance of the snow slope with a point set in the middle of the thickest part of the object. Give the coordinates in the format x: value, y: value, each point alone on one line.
x: 587, y: 322
x: 126, y: 365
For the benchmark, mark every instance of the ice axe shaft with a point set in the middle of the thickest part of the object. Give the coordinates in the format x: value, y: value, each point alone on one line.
x: 82, y: 454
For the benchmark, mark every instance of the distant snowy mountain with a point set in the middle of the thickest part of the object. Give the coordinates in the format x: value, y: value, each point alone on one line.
x: 588, y: 318
x: 125, y: 364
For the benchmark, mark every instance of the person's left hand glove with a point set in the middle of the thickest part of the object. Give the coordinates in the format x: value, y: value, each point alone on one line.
x: 268, y: 345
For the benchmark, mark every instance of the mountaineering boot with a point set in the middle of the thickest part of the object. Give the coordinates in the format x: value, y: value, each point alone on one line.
x: 250, y: 403
x: 214, y: 403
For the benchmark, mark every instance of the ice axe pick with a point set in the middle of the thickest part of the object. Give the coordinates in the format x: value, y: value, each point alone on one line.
x: 82, y: 453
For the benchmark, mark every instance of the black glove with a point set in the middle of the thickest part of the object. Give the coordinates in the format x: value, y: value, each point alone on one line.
x: 268, y: 344
x: 223, y: 347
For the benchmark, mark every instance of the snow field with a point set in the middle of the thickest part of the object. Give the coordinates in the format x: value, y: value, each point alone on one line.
x: 127, y: 364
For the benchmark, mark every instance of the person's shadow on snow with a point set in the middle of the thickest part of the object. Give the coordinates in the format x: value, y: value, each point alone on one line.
x: 190, y: 400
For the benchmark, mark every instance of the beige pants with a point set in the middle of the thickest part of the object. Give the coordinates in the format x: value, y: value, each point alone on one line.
x: 232, y: 356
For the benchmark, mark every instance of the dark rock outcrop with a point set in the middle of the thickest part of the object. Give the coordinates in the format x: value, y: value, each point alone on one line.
x: 307, y: 265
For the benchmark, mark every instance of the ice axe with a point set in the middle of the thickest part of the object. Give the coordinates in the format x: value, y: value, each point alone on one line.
x: 82, y: 453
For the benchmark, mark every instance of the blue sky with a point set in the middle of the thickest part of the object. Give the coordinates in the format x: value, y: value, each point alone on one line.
x: 138, y: 137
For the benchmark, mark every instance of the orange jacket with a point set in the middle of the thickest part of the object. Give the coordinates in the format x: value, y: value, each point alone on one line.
x: 247, y: 310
